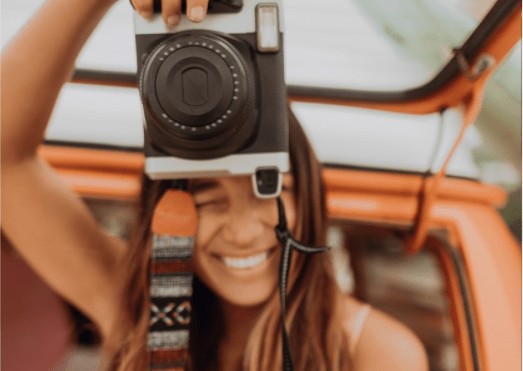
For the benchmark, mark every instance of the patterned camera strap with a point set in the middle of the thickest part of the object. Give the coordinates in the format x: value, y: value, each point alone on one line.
x: 173, y: 233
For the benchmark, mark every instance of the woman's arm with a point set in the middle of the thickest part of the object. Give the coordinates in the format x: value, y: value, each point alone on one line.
x: 47, y: 223
x: 42, y: 217
x: 386, y: 344
x: 379, y: 342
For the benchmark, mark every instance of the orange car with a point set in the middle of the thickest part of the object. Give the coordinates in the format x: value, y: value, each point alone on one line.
x: 415, y: 232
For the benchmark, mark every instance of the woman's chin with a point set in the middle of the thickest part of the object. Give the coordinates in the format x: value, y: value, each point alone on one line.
x: 246, y: 297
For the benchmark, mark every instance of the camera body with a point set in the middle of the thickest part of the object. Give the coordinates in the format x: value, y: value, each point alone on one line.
x: 214, y: 95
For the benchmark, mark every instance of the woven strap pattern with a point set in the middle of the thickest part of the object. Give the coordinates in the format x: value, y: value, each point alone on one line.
x: 173, y: 234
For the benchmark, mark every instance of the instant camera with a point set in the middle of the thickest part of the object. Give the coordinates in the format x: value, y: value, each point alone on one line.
x: 214, y: 95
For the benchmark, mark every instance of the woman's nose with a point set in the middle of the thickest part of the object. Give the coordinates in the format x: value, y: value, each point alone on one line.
x: 246, y: 224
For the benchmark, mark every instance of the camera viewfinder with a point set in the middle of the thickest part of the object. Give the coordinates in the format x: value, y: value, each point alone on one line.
x: 267, y: 31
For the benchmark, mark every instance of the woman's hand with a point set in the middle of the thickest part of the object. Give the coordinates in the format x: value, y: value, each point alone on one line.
x: 171, y: 10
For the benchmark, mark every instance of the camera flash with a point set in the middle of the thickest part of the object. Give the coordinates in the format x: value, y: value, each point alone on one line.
x: 267, y: 30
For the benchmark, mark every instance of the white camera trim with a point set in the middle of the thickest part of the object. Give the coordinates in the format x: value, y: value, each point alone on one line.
x: 233, y: 165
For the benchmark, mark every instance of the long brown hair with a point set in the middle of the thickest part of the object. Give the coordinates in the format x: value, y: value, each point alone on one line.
x: 315, y: 312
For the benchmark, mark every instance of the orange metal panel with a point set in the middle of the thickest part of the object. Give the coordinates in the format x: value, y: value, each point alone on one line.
x: 364, y: 206
x: 493, y: 261
x: 98, y: 173
x: 410, y: 184
x: 350, y: 193
x: 104, y: 185
x: 87, y: 158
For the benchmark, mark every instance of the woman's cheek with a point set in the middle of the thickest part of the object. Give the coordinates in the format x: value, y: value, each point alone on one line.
x: 202, y: 237
x: 208, y: 224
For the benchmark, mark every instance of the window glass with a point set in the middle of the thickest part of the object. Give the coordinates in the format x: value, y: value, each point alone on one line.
x: 412, y: 289
x: 369, y: 45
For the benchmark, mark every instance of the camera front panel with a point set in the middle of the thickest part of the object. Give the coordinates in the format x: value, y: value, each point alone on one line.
x: 212, y: 101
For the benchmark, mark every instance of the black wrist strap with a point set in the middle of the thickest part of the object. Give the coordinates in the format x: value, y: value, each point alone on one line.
x: 288, y: 243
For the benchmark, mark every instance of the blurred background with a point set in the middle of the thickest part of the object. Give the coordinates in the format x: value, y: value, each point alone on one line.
x: 360, y: 48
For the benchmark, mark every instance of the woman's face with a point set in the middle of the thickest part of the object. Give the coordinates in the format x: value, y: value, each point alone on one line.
x: 237, y: 254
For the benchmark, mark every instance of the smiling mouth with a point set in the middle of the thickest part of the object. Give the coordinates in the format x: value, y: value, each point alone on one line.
x: 247, y: 262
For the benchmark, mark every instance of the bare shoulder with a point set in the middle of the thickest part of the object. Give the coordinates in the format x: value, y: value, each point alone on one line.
x: 383, y: 342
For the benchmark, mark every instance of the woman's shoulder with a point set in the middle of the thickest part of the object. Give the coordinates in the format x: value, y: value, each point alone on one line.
x: 379, y: 342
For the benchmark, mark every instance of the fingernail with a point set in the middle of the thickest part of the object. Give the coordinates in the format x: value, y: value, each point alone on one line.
x: 196, y: 14
x: 146, y: 14
x: 173, y: 20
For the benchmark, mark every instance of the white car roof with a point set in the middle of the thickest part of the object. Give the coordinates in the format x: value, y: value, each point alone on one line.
x: 346, y: 44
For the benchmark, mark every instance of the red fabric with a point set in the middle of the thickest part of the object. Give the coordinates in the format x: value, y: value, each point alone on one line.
x: 160, y: 356
x: 35, y: 324
x: 171, y: 267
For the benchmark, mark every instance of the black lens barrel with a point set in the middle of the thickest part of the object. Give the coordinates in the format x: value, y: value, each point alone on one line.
x: 199, y: 95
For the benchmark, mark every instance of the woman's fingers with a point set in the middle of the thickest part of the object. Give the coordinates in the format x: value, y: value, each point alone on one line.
x: 144, y: 7
x: 171, y: 10
x: 196, y: 10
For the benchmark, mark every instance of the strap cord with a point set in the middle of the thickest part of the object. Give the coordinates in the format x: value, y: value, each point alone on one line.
x: 288, y: 244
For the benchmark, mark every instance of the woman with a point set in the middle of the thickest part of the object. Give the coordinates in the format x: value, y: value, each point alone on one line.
x: 235, y: 311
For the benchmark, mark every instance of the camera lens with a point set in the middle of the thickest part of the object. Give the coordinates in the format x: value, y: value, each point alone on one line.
x: 195, y: 86
x: 199, y: 95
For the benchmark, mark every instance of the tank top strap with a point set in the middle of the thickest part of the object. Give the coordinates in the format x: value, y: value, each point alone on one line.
x: 357, y: 327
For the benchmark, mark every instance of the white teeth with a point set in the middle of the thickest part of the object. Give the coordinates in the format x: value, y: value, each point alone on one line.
x: 245, y: 263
